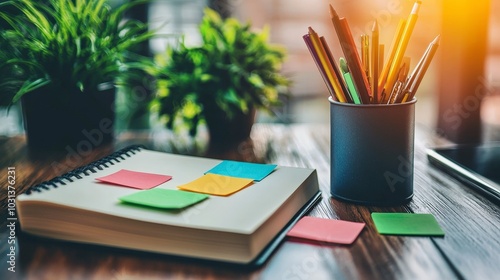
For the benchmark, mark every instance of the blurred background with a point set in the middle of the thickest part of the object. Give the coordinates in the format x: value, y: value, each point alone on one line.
x: 288, y: 21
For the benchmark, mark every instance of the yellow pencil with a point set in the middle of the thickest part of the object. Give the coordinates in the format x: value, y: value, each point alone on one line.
x: 392, y: 51
x: 314, y: 55
x: 374, y: 63
x: 326, y: 64
x: 381, y: 49
x: 365, y: 54
x: 336, y: 70
x: 398, y: 57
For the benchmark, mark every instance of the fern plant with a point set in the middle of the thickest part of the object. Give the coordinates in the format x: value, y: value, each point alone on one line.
x: 67, y: 45
x: 233, y: 70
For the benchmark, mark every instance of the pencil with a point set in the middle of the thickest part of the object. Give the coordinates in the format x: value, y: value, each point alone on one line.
x: 374, y: 63
x: 326, y: 64
x: 405, y: 38
x: 392, y: 51
x: 348, y: 79
x: 351, y: 55
x: 365, y: 55
x: 381, y: 49
x: 335, y: 69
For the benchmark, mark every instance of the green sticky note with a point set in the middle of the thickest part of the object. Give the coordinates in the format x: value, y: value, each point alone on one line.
x: 163, y: 198
x: 407, y: 224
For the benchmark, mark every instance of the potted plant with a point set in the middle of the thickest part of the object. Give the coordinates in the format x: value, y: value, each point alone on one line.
x: 63, y: 59
x: 220, y: 83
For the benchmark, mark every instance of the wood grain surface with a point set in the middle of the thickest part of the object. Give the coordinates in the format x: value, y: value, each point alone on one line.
x: 469, y: 250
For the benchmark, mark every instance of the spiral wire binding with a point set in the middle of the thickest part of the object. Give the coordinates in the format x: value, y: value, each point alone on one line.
x: 86, y: 170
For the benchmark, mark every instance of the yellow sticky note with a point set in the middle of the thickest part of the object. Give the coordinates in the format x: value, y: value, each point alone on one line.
x: 216, y: 184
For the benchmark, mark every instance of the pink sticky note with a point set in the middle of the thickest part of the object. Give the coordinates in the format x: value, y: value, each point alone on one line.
x: 326, y: 230
x: 134, y: 179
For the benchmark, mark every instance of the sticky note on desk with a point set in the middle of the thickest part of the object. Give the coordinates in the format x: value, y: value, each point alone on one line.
x: 254, y: 171
x: 163, y: 198
x: 407, y: 224
x: 216, y: 184
x: 326, y: 230
x: 134, y: 179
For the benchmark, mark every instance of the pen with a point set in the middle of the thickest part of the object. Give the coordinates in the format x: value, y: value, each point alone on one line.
x: 419, y: 73
x: 413, y: 75
x: 348, y: 79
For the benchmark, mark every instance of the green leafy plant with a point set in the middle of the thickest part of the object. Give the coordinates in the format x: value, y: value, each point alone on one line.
x: 233, y: 70
x: 65, y: 44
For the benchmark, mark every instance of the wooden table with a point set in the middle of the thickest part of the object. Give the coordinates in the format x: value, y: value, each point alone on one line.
x: 470, y: 249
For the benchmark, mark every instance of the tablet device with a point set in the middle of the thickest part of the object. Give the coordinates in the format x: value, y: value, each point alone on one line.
x: 477, y: 166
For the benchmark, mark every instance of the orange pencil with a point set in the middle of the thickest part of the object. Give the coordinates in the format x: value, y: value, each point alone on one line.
x: 354, y: 62
x: 351, y: 55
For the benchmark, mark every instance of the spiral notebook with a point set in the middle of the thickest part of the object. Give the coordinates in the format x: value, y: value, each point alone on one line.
x: 241, y: 228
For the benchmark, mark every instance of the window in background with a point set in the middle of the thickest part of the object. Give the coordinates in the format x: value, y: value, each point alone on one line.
x: 173, y: 20
x: 176, y: 19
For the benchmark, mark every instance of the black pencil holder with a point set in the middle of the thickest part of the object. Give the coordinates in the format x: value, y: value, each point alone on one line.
x: 372, y: 149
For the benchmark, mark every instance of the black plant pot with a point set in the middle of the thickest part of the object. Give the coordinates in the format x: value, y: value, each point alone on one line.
x: 58, y: 120
x: 227, y: 134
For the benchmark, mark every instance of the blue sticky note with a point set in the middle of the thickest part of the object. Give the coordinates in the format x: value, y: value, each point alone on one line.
x: 248, y: 170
